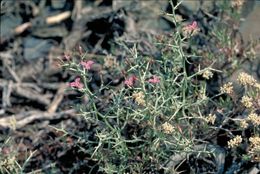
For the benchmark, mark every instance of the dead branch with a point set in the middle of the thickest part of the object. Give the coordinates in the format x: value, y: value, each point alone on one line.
x: 21, y: 90
x: 13, y: 73
x: 49, y: 20
x: 58, y: 18
x: 32, y: 95
x: 20, y: 120
x: 21, y: 28
x: 7, y: 90
x: 57, y: 99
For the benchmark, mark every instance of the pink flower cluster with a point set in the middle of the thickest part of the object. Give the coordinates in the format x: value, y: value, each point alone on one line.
x: 191, y: 29
x: 87, y: 65
x: 193, y: 26
x: 154, y: 80
x: 131, y: 80
x: 76, y: 84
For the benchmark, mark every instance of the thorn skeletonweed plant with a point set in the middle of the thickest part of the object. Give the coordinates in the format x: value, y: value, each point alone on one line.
x: 140, y: 119
x: 145, y: 108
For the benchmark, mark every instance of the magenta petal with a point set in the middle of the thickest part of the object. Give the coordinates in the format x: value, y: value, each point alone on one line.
x: 130, y: 81
x: 80, y: 86
x: 77, y: 80
x: 194, y: 25
x: 72, y: 84
x: 154, y: 80
x: 87, y: 65
x: 76, y: 84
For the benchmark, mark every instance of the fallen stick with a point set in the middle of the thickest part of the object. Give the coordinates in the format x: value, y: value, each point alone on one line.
x: 25, y: 90
x: 49, y: 20
x: 21, y: 28
x: 58, y: 18
x: 13, y: 73
x: 7, y: 90
x: 20, y: 120
x: 32, y: 95
x: 57, y: 99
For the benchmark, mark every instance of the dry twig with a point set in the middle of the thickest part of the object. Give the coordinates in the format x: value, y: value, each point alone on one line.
x: 24, y: 91
x: 57, y: 99
x: 20, y: 120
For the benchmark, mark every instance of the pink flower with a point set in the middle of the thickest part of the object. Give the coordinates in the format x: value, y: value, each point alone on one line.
x: 154, y: 80
x: 87, y: 65
x: 192, y: 26
x: 130, y: 81
x: 76, y: 84
x: 191, y: 29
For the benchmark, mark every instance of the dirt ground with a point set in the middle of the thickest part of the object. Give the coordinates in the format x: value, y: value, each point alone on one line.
x: 34, y: 100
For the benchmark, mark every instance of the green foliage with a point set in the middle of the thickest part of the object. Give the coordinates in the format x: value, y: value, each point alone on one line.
x: 164, y: 101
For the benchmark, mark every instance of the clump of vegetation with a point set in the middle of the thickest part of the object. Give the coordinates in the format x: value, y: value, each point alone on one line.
x: 147, y: 118
x: 9, y: 162
x: 174, y: 111
x: 163, y: 107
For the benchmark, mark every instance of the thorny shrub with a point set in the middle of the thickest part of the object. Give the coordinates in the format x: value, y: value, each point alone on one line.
x: 168, y: 105
x: 147, y: 117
